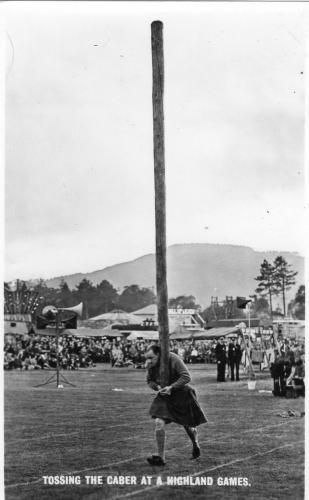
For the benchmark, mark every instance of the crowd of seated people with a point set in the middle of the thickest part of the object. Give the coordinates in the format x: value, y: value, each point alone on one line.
x: 35, y: 352
x: 31, y: 352
x: 126, y: 353
x: 199, y: 351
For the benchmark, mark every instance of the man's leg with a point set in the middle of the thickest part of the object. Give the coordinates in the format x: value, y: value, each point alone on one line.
x: 282, y: 386
x: 192, y: 433
x: 222, y: 372
x: 160, y: 437
x: 232, y: 366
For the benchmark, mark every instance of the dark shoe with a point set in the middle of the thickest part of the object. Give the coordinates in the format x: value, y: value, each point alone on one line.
x: 196, y: 452
x: 155, y: 460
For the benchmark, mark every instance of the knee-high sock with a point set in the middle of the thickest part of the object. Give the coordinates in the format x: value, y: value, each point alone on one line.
x: 160, y: 438
x: 192, y: 433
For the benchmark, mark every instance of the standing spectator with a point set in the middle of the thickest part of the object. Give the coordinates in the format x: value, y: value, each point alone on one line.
x: 193, y: 355
x: 221, y: 360
x: 234, y: 357
x: 181, y: 352
x: 278, y: 373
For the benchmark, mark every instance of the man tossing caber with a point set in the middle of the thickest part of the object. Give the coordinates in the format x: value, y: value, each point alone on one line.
x: 176, y: 402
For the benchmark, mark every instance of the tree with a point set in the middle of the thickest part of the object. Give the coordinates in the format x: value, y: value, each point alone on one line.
x: 212, y: 313
x: 65, y: 295
x: 278, y: 311
x: 133, y: 297
x: 106, y: 298
x: 85, y: 291
x: 47, y: 296
x: 260, y: 306
x: 184, y: 302
x: 297, y: 306
x: 267, y: 282
x: 41, y: 287
x: 284, y: 278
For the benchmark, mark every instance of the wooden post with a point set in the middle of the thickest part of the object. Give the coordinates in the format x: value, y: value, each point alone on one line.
x: 159, y: 175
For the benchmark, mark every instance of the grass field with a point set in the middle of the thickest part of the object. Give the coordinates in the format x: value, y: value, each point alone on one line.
x: 93, y: 430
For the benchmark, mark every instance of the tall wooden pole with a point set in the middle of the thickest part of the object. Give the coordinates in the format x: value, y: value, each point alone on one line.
x: 159, y: 175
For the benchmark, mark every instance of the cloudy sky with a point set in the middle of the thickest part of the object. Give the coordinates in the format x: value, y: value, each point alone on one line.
x: 79, y: 156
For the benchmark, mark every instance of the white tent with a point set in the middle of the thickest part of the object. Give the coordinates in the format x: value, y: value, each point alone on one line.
x: 93, y: 332
x: 215, y: 333
x: 144, y: 334
x: 117, y: 316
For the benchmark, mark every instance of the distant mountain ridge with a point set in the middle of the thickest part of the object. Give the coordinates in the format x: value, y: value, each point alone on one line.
x: 200, y: 269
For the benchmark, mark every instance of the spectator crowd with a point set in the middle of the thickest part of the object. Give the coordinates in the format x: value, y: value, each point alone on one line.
x: 40, y: 352
x: 35, y: 352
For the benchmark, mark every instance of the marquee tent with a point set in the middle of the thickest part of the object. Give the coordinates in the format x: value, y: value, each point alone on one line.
x: 181, y: 335
x: 82, y: 332
x: 182, y: 332
x: 144, y: 334
x: 117, y: 316
x: 215, y: 333
x: 94, y: 332
x: 148, y: 312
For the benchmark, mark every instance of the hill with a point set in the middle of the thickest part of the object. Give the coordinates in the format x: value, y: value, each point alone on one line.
x: 202, y: 270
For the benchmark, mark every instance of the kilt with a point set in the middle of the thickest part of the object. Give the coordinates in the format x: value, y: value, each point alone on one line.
x: 181, y: 407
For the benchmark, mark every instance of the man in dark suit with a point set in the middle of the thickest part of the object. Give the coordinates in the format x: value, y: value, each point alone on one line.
x: 234, y: 357
x: 221, y: 360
